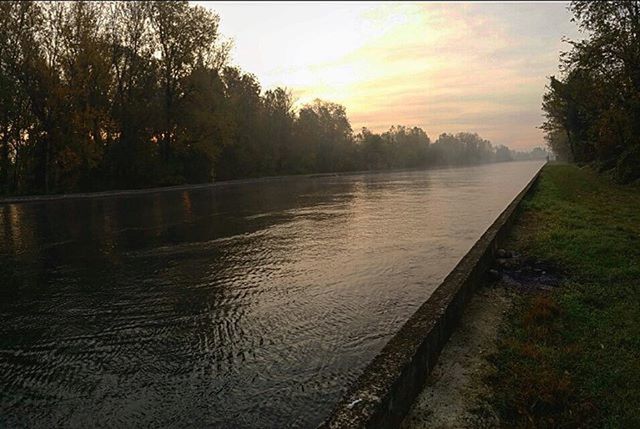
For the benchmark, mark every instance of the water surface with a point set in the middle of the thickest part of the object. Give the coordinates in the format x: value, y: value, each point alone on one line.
x: 247, y: 305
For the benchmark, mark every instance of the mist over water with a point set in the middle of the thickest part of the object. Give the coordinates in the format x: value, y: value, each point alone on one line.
x: 247, y: 305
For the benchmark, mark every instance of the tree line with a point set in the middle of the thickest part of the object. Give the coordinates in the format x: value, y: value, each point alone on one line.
x: 593, y: 110
x: 104, y: 95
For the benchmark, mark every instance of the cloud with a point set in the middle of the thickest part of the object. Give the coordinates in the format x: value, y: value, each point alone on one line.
x: 444, y: 67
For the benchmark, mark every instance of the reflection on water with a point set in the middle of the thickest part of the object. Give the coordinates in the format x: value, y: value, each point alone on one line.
x: 248, y: 305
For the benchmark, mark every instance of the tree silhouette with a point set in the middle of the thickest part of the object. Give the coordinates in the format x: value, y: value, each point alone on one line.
x: 136, y: 94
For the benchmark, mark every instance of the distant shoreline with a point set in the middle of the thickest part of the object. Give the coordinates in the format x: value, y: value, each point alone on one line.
x: 195, y: 186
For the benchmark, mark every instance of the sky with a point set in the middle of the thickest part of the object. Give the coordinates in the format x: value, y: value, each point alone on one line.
x: 444, y: 67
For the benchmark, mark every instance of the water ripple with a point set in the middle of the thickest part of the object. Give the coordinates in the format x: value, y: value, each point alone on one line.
x: 250, y: 305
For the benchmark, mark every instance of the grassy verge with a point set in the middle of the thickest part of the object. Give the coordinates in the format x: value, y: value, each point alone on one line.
x: 571, y: 357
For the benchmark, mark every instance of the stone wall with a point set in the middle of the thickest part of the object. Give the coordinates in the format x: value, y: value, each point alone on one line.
x: 383, y: 394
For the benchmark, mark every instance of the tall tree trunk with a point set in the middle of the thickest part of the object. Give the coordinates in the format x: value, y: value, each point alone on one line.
x: 47, y: 171
x: 4, y: 163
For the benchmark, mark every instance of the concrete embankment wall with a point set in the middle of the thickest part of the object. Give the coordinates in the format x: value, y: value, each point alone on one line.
x: 383, y: 394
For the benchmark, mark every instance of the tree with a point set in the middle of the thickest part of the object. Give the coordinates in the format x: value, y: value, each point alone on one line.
x: 593, y: 110
x: 244, y: 157
x: 409, y: 146
x: 132, y: 94
x: 278, y: 119
x: 14, y: 103
x: 374, y: 150
x: 131, y: 158
x: 324, y: 129
x: 187, y: 38
x: 204, y: 124
x: 503, y: 154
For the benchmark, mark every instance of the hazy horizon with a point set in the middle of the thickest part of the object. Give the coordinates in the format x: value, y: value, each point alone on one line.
x: 444, y: 67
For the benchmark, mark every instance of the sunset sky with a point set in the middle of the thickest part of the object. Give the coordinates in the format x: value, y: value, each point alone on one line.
x: 445, y: 67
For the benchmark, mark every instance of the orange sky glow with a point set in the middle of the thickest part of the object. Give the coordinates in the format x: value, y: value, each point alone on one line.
x: 445, y: 67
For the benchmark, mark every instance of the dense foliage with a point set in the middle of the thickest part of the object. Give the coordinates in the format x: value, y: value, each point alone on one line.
x: 100, y: 95
x: 593, y: 111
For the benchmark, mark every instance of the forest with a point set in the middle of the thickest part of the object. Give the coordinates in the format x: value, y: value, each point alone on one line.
x: 120, y: 95
x: 593, y: 109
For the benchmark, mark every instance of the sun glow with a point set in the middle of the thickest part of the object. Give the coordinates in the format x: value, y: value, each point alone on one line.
x: 444, y: 67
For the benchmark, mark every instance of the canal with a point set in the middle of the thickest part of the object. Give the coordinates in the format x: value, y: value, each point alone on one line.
x: 249, y: 305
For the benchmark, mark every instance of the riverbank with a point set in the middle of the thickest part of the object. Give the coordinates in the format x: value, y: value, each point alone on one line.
x: 196, y: 186
x: 567, y: 353
x: 126, y: 192
x: 571, y: 357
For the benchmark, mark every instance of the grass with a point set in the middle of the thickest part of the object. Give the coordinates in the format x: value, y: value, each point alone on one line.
x: 571, y: 358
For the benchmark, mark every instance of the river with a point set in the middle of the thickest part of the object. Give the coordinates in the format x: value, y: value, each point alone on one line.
x: 249, y: 305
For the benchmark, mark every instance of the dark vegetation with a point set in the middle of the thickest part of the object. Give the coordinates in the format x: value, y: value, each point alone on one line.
x: 593, y: 110
x: 99, y: 96
x: 570, y: 355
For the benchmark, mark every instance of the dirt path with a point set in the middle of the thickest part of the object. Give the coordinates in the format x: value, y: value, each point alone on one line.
x: 455, y: 395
